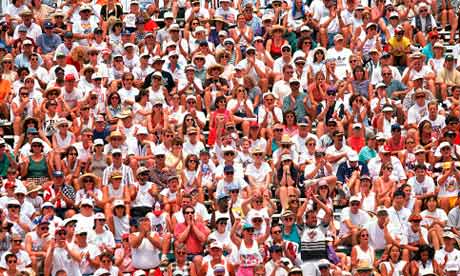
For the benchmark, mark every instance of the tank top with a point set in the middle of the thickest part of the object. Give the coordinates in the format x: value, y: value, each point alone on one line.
x: 243, y: 40
x: 275, y: 51
x: 210, y: 271
x: 146, y: 256
x: 117, y: 194
x: 398, y: 268
x: 121, y: 226
x: 249, y: 257
x: 424, y: 268
x: 71, y: 168
x: 37, y: 168
x: 158, y: 223
x: 37, y: 242
x: 365, y: 255
x: 63, y: 142
x: 98, y: 165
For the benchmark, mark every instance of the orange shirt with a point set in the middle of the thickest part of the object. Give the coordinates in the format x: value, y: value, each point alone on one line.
x: 5, y: 89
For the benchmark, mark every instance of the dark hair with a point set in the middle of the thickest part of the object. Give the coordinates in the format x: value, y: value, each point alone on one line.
x: 68, y: 149
x: 187, y: 159
x: 358, y: 68
x: 314, y: 56
x: 220, y: 98
x: 424, y: 248
x: 141, y: 94
x: 287, y: 113
x: 431, y: 197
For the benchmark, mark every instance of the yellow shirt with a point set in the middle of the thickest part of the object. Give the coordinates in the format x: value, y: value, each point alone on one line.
x: 398, y: 47
x: 450, y: 77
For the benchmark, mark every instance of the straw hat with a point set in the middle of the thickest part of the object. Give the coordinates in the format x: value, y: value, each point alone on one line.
x: 277, y: 28
x: 33, y: 187
x: 286, y: 139
x: 116, y: 133
x: 91, y: 175
x: 215, y: 65
x: 52, y: 89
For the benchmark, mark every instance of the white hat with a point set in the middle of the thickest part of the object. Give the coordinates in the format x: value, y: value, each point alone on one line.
x: 267, y: 16
x: 352, y: 156
x: 387, y: 108
x: 190, y: 97
x: 142, y: 131
x: 174, y: 27
x: 223, y: 33
x: 172, y: 53
x: 170, y: 43
x: 37, y: 140
x: 168, y: 15
x: 118, y: 202
x: 86, y: 201
x: 380, y: 84
x: 285, y: 157
x: 20, y: 190
x: 357, y: 125
x: 47, y: 204
x: 101, y: 271
x: 96, y: 76
x: 99, y: 216
x: 199, y: 29
x: 98, y: 142
x: 216, y: 244
x: 85, y: 7
x: 229, y: 40
x: 221, y: 216
x: 159, y: 151
x: 228, y: 149
x: 444, y: 144
x: 178, y: 272
x: 13, y: 202
x: 80, y: 229
x: 355, y: 198
x: 380, y: 136
x: 139, y: 273
x: 129, y: 44
x: 381, y: 209
x: 305, y: 28
x: 293, y: 80
x: 394, y: 14
x: 68, y: 220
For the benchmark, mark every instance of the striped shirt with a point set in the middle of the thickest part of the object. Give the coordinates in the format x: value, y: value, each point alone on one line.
x: 126, y: 172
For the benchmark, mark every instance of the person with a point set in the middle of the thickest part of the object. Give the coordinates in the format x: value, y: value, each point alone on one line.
x: 145, y: 247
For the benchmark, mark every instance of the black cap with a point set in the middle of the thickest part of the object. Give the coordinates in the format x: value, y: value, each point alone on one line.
x: 450, y: 133
x: 68, y: 35
x: 140, y: 20
x: 203, y: 43
x: 98, y: 30
x: 449, y: 57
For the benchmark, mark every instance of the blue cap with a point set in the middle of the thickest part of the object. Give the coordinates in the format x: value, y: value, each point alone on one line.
x: 203, y: 43
x: 48, y: 25
x: 302, y: 121
x: 221, y: 196
x: 247, y: 225
x: 228, y: 169
x: 275, y: 248
x: 395, y: 127
x: 58, y: 174
x: 331, y: 90
x: 125, y: 33
x: 32, y: 130
x: 233, y: 186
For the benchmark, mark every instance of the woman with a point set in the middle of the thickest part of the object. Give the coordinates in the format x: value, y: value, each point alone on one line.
x: 434, y: 219
x: 361, y: 84
x: 394, y: 265
x: 40, y: 11
x: 115, y: 27
x: 63, y: 137
x: 181, y: 263
x: 70, y: 164
x: 449, y: 177
x: 253, y: 91
x: 188, y: 122
x: 123, y: 256
x: 407, y: 156
x: 111, y: 9
x: 37, y: 166
x: 157, y: 91
x: 362, y: 252
x: 304, y: 49
x: 262, y: 54
x: 189, y: 29
x: 276, y: 42
x: 423, y: 261
x: 223, y: 58
x: 317, y: 88
x: 107, y: 263
x: 316, y: 65
x: 234, y: 52
x: 7, y: 66
x: 118, y: 221
x: 427, y: 137
x: 258, y: 172
x: 157, y: 121
x: 115, y: 191
x: 174, y: 159
x: 242, y: 34
x: 97, y: 161
x: 142, y: 108
x: 248, y: 253
x: 287, y: 178
x: 357, y: 111
x: 437, y: 61
x: 290, y: 123
x: 385, y: 185
x: 190, y: 174
x: 218, y: 116
x: 241, y: 108
x: 88, y: 190
x: 368, y: 196
x: 100, y: 236
x: 114, y: 107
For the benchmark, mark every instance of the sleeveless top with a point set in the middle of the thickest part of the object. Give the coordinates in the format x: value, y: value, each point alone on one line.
x: 398, y: 268
x: 185, y: 269
x: 120, y: 226
x: 37, y: 168
x: 37, y: 242
x: 71, y: 168
x: 98, y: 165
x: 365, y: 255
x: 243, y: 41
x: 146, y: 256
x: 210, y: 270
x: 117, y: 194
x: 423, y: 268
x: 275, y: 51
x: 63, y: 142
x: 249, y: 257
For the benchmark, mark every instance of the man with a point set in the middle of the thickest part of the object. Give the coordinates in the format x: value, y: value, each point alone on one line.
x: 384, y: 157
x: 423, y: 186
x: 33, y: 29
x: 352, y: 219
x: 399, y: 216
x: 193, y: 145
x: 313, y: 243
x: 61, y: 256
x: 448, y: 252
x: 23, y: 59
x: 394, y: 88
x: 369, y: 151
x: 418, y: 68
x: 146, y: 247
x: 282, y: 88
x: 338, y: 152
x: 438, y: 121
x: 191, y: 232
x: 168, y: 80
x: 341, y: 55
x: 16, y: 249
x: 7, y: 158
x: 48, y: 42
x: 117, y: 165
x: 419, y: 109
x: 159, y: 173
x: 378, y: 229
x: 83, y: 29
x: 36, y: 243
x: 229, y: 179
x: 351, y: 169
x: 21, y: 224
x: 448, y: 77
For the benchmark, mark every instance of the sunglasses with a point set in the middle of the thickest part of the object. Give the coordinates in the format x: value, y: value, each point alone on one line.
x: 189, y: 212
x: 229, y: 153
x: 12, y: 261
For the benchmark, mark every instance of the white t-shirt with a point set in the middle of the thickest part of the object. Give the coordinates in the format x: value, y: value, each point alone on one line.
x: 359, y: 219
x: 93, y: 251
x: 260, y: 173
x: 341, y: 60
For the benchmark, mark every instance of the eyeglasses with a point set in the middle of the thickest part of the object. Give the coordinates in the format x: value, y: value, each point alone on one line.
x: 12, y: 261
x: 191, y: 102
x: 386, y: 74
x: 257, y: 220
x: 17, y: 241
x: 278, y: 130
x: 45, y: 228
x: 88, y: 180
x: 288, y: 219
x: 388, y: 168
x: 276, y: 232
x: 250, y: 230
x: 161, y: 156
x: 229, y: 173
x: 423, y: 10
x: 193, y: 161
x: 189, y: 212
x: 61, y: 233
x: 364, y: 235
x: 83, y: 234
x: 354, y: 203
x: 230, y: 153
x: 234, y: 191
x: 36, y: 145
x: 257, y: 154
x: 181, y: 253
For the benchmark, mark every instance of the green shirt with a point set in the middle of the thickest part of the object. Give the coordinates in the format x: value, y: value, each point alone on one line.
x: 5, y: 163
x: 366, y: 154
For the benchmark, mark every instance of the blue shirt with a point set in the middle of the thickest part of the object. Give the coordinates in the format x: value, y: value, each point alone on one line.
x: 345, y: 171
x: 48, y: 43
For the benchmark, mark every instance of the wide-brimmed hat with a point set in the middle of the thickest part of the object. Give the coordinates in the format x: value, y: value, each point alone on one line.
x: 115, y: 133
x: 419, y: 92
x: 52, y: 89
x: 214, y: 66
x: 91, y: 175
x: 33, y: 187
x: 277, y: 28
x: 286, y: 139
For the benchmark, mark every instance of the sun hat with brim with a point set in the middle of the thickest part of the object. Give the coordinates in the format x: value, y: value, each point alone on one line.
x: 418, y: 149
x: 449, y: 234
x: 33, y: 187
x: 116, y: 175
x: 257, y: 150
x: 295, y: 270
x: 286, y: 139
x: 86, y: 175
x: 115, y: 133
x: 61, y: 121
x: 387, y: 108
x: 277, y: 28
x: 363, y: 267
x: 142, y: 170
x: 7, y: 57
x: 52, y: 89
x: 286, y: 157
x: 215, y: 66
x: 124, y: 114
x: 420, y: 92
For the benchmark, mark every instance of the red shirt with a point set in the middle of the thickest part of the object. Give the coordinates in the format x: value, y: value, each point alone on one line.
x: 193, y: 244
x: 356, y: 143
